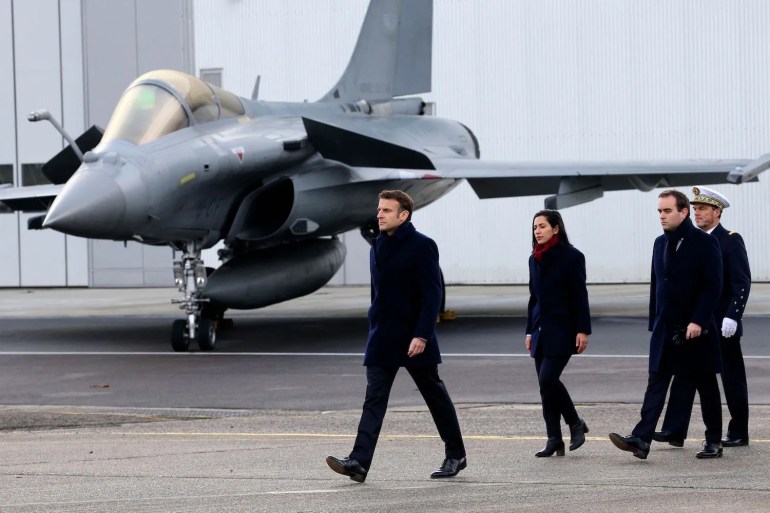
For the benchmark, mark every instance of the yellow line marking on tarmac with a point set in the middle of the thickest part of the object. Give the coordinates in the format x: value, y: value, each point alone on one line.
x: 400, y: 437
x: 329, y: 435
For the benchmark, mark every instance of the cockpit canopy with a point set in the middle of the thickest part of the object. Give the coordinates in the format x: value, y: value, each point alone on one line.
x: 164, y: 101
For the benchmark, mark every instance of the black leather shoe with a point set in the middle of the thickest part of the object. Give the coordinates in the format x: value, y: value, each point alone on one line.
x: 710, y: 450
x: 631, y: 443
x: 731, y: 441
x: 450, y: 468
x: 553, y: 445
x: 667, y: 436
x: 577, y: 434
x: 347, y: 467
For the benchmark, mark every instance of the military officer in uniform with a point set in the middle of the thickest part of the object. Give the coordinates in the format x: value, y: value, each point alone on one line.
x: 708, y: 206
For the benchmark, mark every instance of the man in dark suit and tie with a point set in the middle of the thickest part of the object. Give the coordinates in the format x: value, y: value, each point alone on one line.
x: 406, y: 295
x: 708, y: 206
x: 685, y: 284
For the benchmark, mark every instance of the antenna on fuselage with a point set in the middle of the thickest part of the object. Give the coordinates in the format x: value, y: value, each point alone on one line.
x: 255, y: 92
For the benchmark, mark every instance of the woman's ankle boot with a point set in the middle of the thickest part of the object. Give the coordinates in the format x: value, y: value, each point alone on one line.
x: 553, y: 445
x: 577, y: 434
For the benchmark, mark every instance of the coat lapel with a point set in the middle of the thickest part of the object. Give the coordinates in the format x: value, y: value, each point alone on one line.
x: 384, y: 249
x: 385, y: 246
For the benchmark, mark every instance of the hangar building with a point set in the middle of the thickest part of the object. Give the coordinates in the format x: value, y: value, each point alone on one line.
x: 537, y: 80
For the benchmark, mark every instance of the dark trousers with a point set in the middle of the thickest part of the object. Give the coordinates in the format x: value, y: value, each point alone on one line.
x: 556, y: 400
x: 655, y: 398
x: 379, y: 382
x: 679, y: 410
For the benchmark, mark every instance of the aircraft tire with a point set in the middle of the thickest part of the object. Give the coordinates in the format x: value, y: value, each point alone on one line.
x: 207, y: 334
x: 179, y: 339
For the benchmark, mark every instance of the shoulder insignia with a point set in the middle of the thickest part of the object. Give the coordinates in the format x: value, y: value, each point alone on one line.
x: 731, y: 232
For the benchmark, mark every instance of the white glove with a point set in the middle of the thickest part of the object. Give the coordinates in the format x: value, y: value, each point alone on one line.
x: 728, y: 327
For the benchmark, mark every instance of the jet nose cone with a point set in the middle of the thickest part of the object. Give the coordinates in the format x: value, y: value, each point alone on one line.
x: 90, y: 205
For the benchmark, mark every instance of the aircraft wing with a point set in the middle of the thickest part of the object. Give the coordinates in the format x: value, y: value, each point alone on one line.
x: 32, y: 198
x: 395, y: 144
x: 572, y: 183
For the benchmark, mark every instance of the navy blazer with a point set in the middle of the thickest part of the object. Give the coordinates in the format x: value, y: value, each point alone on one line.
x: 406, y: 297
x: 683, y: 290
x: 736, y: 276
x: 558, y: 301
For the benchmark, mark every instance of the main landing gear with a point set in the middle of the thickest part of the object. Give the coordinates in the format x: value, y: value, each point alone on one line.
x: 190, y: 277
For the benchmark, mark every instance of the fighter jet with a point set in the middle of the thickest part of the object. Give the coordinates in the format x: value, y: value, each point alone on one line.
x: 187, y: 164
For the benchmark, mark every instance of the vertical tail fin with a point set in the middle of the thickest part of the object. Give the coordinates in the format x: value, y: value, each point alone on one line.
x: 392, y: 56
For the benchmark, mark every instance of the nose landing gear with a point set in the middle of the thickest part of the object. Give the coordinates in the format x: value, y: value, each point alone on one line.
x: 190, y: 277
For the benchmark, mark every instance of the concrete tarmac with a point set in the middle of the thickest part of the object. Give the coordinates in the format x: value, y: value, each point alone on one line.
x: 606, y: 300
x: 328, y: 302
x: 273, y: 461
x: 74, y: 458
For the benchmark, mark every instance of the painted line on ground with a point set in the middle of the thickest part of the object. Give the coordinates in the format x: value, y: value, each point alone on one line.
x: 336, y: 355
x: 195, y: 434
x: 186, y: 497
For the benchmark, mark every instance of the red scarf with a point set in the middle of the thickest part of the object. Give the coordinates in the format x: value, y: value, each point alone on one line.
x: 542, y: 248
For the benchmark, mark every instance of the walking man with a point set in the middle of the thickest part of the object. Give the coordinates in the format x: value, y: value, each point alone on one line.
x: 406, y: 296
x: 708, y: 206
x: 685, y: 284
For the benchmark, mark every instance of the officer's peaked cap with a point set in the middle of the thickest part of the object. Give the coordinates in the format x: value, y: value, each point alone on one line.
x: 709, y: 197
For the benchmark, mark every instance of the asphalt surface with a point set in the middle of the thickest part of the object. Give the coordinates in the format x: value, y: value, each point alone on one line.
x: 97, y: 414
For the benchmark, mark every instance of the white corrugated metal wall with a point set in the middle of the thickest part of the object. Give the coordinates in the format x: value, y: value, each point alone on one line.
x: 544, y: 80
x: 39, y: 67
x: 74, y: 58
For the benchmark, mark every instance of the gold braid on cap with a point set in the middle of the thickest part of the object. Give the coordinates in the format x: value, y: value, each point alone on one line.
x: 708, y: 200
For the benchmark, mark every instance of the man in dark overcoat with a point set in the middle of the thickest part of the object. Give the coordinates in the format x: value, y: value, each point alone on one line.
x: 406, y: 295
x: 685, y: 284
x: 708, y: 206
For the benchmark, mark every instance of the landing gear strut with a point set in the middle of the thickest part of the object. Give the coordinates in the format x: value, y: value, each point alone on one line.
x: 190, y: 278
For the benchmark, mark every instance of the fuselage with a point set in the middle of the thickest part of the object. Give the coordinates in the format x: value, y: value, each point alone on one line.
x: 177, y: 165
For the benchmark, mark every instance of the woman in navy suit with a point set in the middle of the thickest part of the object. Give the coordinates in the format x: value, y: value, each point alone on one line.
x: 558, y: 324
